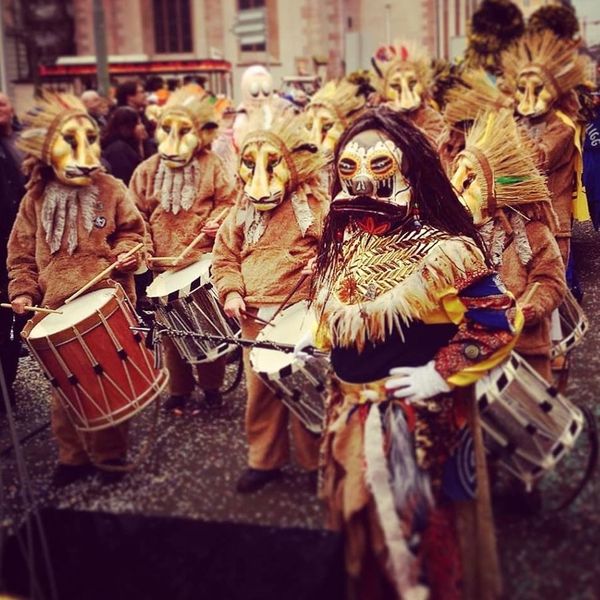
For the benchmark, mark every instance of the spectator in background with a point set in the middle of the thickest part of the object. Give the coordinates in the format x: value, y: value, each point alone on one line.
x: 96, y: 106
x: 12, y: 188
x: 122, y: 142
x: 131, y: 93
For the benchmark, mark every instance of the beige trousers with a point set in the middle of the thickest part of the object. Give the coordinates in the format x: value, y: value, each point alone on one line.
x: 181, y: 373
x: 79, y: 448
x: 267, y: 421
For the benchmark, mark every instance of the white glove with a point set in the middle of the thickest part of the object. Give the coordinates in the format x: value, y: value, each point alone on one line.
x: 416, y: 383
x: 306, y: 341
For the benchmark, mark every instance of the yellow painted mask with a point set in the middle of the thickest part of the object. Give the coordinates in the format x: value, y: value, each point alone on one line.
x: 534, y: 94
x: 324, y: 126
x: 265, y: 173
x: 403, y: 90
x: 177, y: 139
x: 470, y: 186
x: 75, y: 151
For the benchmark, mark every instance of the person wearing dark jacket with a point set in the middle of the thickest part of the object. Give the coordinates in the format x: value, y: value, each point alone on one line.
x: 122, y: 143
x: 12, y: 188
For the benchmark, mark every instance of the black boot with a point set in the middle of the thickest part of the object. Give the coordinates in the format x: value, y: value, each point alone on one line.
x: 175, y: 403
x: 252, y: 480
x: 108, y: 477
x: 213, y: 398
x: 65, y: 474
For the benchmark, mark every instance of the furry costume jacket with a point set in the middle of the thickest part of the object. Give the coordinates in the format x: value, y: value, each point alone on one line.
x: 48, y: 278
x: 171, y: 232
x: 545, y: 267
x: 266, y: 271
x: 557, y: 155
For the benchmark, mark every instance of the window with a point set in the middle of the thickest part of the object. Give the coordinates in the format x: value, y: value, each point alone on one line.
x: 172, y: 26
x: 250, y: 43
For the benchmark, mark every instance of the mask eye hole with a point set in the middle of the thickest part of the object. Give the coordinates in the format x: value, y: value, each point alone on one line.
x: 166, y: 128
x: 272, y: 163
x: 468, y: 181
x: 347, y: 167
x: 70, y: 139
x: 92, y: 138
x: 382, y: 166
x: 326, y: 127
x: 185, y: 130
x: 537, y: 90
x: 248, y: 163
x: 254, y: 89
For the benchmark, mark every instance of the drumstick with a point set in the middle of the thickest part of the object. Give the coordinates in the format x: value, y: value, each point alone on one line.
x: 37, y: 309
x: 255, y: 317
x: 530, y: 293
x: 104, y: 273
x: 287, y: 298
x: 191, y: 245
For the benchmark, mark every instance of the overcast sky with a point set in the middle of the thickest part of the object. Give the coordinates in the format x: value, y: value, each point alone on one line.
x: 589, y: 9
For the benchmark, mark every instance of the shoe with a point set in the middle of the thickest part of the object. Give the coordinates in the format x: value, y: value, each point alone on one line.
x: 175, y: 403
x: 252, y: 480
x: 109, y: 477
x: 66, y: 474
x: 213, y: 398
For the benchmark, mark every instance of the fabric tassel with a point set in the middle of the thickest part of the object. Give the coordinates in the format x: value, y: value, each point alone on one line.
x: 402, y: 564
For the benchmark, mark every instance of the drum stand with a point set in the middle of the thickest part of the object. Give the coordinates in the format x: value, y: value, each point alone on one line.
x: 34, y: 529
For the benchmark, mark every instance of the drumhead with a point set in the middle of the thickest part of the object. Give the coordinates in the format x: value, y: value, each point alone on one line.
x: 173, y: 281
x: 72, y: 313
x: 287, y: 328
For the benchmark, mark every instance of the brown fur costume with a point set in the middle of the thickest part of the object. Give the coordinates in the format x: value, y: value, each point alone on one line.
x: 171, y: 232
x: 51, y: 278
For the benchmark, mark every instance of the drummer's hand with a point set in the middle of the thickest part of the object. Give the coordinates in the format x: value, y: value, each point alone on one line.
x: 210, y: 228
x: 416, y: 383
x: 126, y: 263
x: 529, y: 314
x: 20, y: 302
x: 309, y: 269
x: 234, y: 305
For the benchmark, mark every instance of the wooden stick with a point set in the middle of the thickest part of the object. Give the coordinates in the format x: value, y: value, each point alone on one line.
x: 287, y: 298
x: 530, y: 293
x: 254, y: 317
x: 37, y: 309
x: 104, y: 273
x: 191, y: 245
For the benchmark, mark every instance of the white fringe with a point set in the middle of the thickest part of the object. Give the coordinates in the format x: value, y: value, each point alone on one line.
x: 401, y: 561
x: 176, y: 189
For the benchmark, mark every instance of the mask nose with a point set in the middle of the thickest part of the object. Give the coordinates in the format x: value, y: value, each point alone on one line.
x: 363, y: 186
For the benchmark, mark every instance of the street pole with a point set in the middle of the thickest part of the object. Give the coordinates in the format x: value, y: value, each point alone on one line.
x: 3, y: 77
x: 101, y: 54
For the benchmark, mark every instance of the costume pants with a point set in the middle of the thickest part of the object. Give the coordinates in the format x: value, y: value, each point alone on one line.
x: 79, y: 448
x: 267, y: 420
x: 181, y: 373
x: 10, y: 349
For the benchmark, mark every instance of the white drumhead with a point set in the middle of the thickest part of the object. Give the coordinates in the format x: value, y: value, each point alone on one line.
x: 288, y: 328
x: 72, y: 313
x: 173, y: 281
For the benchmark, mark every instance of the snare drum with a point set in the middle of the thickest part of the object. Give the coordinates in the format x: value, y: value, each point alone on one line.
x: 569, y: 326
x: 186, y: 301
x: 299, y: 383
x: 528, y: 426
x: 103, y: 372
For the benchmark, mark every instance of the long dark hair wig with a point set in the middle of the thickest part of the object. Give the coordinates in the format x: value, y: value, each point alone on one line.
x: 431, y: 189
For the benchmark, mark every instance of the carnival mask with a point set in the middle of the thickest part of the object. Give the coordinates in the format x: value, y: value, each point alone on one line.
x: 370, y: 173
x: 534, y: 94
x: 325, y: 128
x: 403, y: 90
x: 257, y: 86
x: 265, y: 174
x: 467, y: 181
x: 75, y: 151
x: 179, y: 140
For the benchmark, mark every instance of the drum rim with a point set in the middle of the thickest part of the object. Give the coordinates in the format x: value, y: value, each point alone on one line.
x: 82, y: 327
x: 164, y: 298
